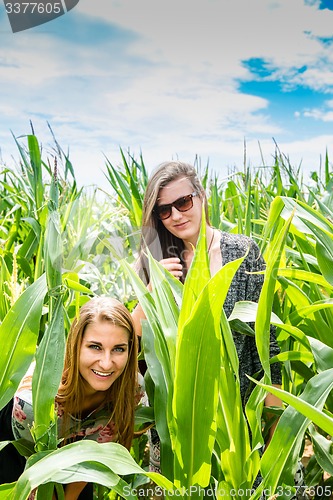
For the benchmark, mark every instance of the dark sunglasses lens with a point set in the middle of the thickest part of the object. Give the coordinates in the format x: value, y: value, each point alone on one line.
x: 184, y: 203
x: 164, y: 212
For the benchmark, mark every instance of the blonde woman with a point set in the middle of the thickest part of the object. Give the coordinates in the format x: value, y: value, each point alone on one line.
x: 171, y: 221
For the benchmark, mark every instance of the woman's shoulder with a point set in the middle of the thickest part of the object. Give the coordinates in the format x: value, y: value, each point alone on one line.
x: 24, y: 390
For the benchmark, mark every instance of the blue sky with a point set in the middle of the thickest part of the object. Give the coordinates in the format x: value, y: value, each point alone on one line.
x: 173, y: 79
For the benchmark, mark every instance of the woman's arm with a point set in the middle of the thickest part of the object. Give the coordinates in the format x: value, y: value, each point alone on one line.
x: 73, y: 490
x: 137, y: 316
x: 272, y: 400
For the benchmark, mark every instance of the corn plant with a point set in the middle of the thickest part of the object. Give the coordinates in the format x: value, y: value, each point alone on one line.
x: 193, y: 367
x: 129, y: 185
x: 292, y: 223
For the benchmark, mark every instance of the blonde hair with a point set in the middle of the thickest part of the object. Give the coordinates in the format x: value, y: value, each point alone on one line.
x: 120, y: 397
x: 154, y: 236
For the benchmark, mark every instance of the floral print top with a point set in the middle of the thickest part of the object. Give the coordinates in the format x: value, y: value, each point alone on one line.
x: 95, y: 426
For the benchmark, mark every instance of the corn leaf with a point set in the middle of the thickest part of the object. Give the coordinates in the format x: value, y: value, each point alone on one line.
x: 161, y: 404
x: 62, y: 465
x: 265, y: 303
x: 197, y: 277
x: 49, y: 366
x: 18, y: 337
x: 197, y: 380
x: 277, y: 466
x: 322, y: 448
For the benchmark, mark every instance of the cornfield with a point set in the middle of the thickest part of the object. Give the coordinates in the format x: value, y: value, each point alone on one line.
x: 61, y: 245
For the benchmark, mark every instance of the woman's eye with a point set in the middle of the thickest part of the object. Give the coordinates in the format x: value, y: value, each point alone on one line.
x: 181, y: 202
x: 119, y: 349
x: 94, y: 346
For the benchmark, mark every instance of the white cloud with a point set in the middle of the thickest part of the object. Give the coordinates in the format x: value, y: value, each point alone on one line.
x: 215, y: 36
x: 171, y: 87
x: 318, y: 114
x: 324, y: 114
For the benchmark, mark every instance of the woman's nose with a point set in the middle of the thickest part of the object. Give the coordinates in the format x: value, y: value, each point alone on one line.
x: 106, y: 361
x: 175, y: 214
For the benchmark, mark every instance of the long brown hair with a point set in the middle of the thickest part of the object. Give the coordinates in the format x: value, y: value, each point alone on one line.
x: 120, y: 397
x: 154, y: 236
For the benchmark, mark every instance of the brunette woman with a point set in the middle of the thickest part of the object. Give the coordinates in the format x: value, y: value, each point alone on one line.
x: 98, y: 392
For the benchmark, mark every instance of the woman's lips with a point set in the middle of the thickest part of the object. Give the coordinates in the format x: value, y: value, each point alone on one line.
x: 180, y: 226
x: 102, y: 374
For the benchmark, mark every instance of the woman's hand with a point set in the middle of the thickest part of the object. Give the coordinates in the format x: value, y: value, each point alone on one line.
x: 272, y: 400
x: 173, y: 265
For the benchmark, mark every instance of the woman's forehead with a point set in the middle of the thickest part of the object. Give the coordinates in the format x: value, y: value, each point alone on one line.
x: 175, y: 189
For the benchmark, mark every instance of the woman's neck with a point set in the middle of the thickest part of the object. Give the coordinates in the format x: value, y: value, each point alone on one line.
x: 92, y: 402
x: 190, y: 245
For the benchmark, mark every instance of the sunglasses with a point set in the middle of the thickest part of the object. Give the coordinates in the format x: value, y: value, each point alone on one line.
x: 182, y: 204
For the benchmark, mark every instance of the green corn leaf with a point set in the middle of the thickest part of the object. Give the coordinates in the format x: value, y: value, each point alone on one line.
x: 305, y: 357
x: 301, y: 275
x: 323, y: 354
x: 323, y: 449
x: 277, y: 466
x: 6, y: 491
x: 76, y: 286
x: 304, y: 214
x: 235, y: 444
x: 53, y: 251
x: 215, y: 204
x: 198, y: 275
x: 4, y: 296
x: 196, y: 387
x: 253, y: 411
x: 61, y: 465
x: 223, y: 491
x: 149, y: 308
x: 246, y: 311
x: 36, y: 164
x: 309, y: 311
x: 156, y: 347
x: 49, y: 366
x: 18, y: 336
x: 274, y: 215
x: 29, y: 245
x: 324, y: 252
x: 136, y: 198
x: 166, y: 308
x: 265, y: 303
x: 248, y: 207
x: 119, y: 185
x: 197, y: 378
x: 50, y: 353
x: 162, y: 395
x: 294, y: 332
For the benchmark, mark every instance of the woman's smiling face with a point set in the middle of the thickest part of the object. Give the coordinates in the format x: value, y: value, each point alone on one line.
x: 103, y: 355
